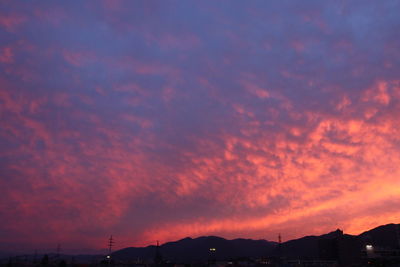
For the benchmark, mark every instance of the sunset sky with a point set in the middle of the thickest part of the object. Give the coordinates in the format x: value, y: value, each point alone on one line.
x: 158, y: 120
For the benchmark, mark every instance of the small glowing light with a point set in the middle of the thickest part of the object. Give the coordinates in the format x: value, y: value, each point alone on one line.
x: 108, y: 256
x: 369, y: 247
x: 212, y: 249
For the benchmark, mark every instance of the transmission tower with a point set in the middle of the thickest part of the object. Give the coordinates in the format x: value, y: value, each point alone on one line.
x: 158, y: 256
x: 110, y: 244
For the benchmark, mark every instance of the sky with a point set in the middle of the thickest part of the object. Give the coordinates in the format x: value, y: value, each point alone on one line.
x: 158, y: 120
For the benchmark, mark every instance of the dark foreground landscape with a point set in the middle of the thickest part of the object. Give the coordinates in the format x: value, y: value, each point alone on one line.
x: 377, y: 247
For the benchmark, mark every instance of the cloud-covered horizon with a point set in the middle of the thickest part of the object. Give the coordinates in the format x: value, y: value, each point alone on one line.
x: 166, y: 119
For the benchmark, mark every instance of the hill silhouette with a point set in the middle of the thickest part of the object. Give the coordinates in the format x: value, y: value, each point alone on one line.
x: 189, y: 249
x: 386, y: 236
x: 308, y: 247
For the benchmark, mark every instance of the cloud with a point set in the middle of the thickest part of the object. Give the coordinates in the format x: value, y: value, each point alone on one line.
x: 151, y: 122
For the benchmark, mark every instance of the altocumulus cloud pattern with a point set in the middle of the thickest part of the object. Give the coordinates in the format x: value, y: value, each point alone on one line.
x: 164, y: 119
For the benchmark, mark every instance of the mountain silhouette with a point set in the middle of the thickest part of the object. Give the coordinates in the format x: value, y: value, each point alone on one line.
x: 385, y: 236
x: 189, y: 249
x: 305, y: 247
x: 308, y: 247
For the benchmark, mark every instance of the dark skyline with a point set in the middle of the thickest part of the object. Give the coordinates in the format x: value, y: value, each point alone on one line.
x: 157, y: 120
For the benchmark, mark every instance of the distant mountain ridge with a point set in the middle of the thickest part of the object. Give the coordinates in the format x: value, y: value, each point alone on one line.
x: 383, y: 236
x: 189, y: 249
